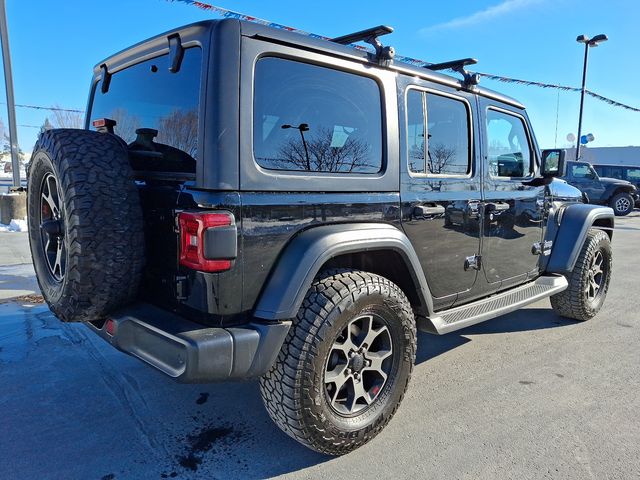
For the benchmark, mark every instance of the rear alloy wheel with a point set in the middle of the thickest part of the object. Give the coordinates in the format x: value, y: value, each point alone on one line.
x: 345, y: 364
x: 622, y: 204
x: 357, y: 368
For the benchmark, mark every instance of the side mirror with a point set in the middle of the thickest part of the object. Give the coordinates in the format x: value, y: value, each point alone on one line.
x: 553, y: 163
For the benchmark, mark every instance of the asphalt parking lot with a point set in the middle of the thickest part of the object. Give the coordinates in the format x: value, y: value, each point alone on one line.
x: 527, y: 395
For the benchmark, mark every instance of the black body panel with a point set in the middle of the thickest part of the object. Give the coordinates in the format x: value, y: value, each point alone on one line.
x: 309, y: 251
x: 423, y: 229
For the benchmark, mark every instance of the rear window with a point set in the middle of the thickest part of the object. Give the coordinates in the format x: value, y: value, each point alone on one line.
x: 156, y: 111
x: 315, y: 119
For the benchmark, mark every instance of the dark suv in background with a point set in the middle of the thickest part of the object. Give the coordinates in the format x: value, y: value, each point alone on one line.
x: 629, y: 173
x: 620, y: 195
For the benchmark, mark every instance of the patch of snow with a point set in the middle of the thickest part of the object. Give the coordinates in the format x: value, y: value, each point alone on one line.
x: 16, y: 225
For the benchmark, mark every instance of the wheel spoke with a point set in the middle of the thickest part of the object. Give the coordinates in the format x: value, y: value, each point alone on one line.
x: 372, y: 334
x: 376, y: 360
x: 57, y: 266
x: 337, y: 376
x: 360, y: 392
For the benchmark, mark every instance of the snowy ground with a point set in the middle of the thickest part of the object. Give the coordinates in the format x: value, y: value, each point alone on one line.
x: 16, y: 225
x: 526, y: 396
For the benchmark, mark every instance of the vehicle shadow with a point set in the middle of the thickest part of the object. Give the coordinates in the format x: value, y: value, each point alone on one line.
x: 430, y: 346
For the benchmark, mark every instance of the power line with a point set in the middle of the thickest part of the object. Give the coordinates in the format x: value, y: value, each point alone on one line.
x: 39, y: 107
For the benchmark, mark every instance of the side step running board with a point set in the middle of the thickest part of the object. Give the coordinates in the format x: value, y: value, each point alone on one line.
x: 499, y: 304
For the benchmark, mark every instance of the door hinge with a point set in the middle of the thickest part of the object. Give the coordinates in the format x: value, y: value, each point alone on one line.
x: 473, y: 262
x: 542, y: 248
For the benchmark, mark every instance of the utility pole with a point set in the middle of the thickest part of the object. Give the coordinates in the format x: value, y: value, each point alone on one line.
x: 8, y: 81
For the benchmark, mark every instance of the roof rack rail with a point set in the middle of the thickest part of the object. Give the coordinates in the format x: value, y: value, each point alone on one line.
x: 470, y: 79
x: 383, y: 55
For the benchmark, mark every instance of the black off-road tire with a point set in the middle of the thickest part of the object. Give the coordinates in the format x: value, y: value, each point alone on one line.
x: 294, y: 390
x: 622, y: 204
x: 575, y: 301
x: 99, y: 225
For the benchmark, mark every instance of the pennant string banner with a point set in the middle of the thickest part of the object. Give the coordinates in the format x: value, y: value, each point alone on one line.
x: 225, y: 13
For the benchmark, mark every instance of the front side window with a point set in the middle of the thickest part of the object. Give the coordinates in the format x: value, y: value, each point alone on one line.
x: 155, y: 110
x: 315, y: 119
x: 508, y: 149
x: 444, y: 122
x: 578, y: 170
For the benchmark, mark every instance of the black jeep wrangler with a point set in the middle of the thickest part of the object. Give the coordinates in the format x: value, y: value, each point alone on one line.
x: 619, y: 194
x: 250, y: 202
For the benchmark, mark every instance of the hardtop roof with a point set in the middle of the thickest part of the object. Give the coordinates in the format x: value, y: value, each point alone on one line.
x: 202, y: 30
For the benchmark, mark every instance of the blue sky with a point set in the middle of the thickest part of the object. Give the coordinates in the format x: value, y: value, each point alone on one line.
x: 55, y: 44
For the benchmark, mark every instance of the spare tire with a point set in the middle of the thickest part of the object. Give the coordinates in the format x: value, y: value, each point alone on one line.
x: 85, y: 223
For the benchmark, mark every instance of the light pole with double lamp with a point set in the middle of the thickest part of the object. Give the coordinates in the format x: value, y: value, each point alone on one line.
x: 588, y: 42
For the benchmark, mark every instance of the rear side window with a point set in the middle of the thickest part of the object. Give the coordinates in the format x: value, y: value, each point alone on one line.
x: 315, y: 119
x: 508, y: 146
x: 444, y: 123
x: 155, y: 111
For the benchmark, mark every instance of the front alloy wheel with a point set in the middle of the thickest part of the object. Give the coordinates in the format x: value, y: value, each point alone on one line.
x: 589, y: 280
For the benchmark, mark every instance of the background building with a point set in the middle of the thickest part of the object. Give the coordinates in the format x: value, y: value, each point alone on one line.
x: 607, y: 155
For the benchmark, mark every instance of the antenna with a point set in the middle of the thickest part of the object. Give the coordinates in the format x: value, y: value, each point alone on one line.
x: 470, y: 79
x: 383, y: 55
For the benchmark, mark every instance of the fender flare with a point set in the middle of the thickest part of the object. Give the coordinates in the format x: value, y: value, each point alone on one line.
x: 611, y: 190
x: 568, y: 229
x: 305, y: 255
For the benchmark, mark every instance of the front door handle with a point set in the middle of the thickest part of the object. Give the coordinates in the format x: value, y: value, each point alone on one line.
x: 492, y: 207
x: 428, y: 211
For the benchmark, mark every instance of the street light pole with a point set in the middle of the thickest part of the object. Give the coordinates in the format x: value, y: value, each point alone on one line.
x: 303, y: 127
x: 588, y: 42
x: 8, y: 80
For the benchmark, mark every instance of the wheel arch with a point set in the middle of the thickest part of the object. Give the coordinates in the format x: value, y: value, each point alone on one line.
x: 568, y: 229
x: 614, y: 190
x: 377, y: 248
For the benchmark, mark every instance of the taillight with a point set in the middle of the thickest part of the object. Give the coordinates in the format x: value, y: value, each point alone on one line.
x: 198, y: 228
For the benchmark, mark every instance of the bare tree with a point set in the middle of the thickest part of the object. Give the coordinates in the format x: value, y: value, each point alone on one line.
x: 441, y: 159
x: 180, y: 130
x: 66, y: 119
x: 322, y: 156
x: 126, y: 124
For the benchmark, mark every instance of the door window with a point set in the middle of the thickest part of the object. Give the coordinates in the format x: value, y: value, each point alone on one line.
x: 509, y: 151
x: 445, y: 121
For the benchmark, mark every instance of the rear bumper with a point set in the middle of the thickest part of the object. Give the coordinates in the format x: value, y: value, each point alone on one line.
x: 190, y: 352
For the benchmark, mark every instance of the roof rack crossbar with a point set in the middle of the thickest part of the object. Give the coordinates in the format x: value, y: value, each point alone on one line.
x: 453, y: 64
x: 383, y: 55
x: 470, y: 79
